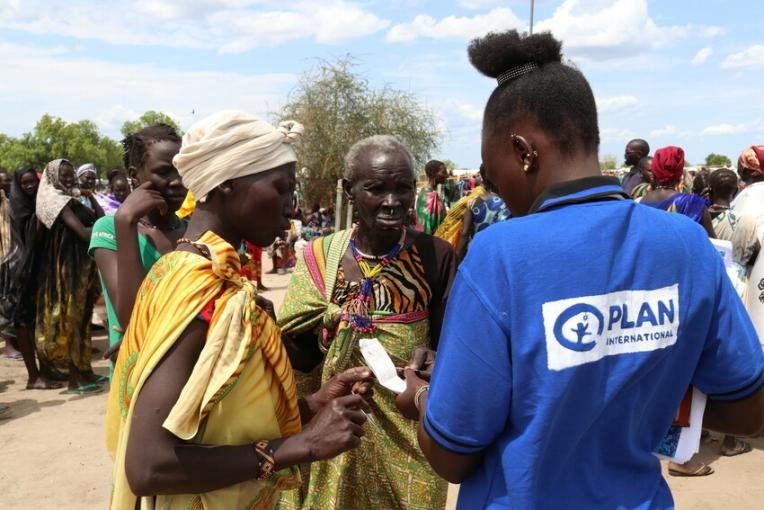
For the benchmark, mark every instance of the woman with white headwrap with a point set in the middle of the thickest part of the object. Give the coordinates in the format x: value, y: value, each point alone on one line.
x: 67, y: 288
x: 87, y: 178
x: 203, y: 376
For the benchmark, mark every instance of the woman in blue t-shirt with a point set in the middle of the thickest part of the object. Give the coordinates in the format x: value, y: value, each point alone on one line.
x: 587, y: 324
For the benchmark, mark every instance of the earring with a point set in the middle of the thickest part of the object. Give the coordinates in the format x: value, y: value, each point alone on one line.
x: 529, y: 160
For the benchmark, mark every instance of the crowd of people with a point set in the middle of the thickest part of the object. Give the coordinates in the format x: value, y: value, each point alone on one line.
x: 547, y: 321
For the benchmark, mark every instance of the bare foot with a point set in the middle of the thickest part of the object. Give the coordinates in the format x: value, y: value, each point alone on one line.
x: 732, y: 446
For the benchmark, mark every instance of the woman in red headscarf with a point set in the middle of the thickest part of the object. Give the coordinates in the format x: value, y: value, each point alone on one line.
x: 668, y: 170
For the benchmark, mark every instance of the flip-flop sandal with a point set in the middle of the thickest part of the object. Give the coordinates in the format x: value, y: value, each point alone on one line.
x: 101, y: 379
x: 43, y: 384
x: 740, y: 448
x: 85, y: 389
x: 15, y: 357
x: 703, y: 470
x: 5, y: 412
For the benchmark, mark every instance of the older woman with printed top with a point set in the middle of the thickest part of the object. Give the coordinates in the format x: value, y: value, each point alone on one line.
x: 380, y: 279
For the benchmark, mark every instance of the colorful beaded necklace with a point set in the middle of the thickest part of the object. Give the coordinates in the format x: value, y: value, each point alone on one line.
x: 358, y: 309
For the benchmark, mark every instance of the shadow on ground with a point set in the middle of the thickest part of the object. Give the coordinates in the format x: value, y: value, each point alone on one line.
x: 26, y: 406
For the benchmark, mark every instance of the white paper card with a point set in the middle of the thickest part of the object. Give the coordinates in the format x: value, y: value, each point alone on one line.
x: 689, y: 439
x: 380, y: 363
x: 725, y: 251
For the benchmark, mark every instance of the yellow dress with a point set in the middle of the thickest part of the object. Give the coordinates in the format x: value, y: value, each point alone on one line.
x: 241, y: 389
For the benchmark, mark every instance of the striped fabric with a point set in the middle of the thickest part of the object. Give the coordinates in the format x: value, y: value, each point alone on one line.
x: 243, y: 364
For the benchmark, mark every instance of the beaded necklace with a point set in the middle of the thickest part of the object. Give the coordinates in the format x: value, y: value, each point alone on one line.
x: 358, y: 309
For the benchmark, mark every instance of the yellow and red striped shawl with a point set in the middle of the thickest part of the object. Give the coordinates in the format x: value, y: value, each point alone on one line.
x: 241, y: 389
x: 451, y: 228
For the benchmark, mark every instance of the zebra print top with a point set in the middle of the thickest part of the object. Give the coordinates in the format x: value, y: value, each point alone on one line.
x: 418, y: 279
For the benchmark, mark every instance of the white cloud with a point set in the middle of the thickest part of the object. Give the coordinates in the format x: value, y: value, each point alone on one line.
x: 590, y: 29
x: 616, y: 135
x: 328, y: 22
x: 454, y: 27
x: 604, y: 29
x: 711, y: 32
x: 112, y: 118
x: 669, y: 131
x: 480, y: 4
x: 226, y: 25
x: 111, y: 93
x: 701, y: 56
x: 750, y: 58
x: 614, y: 103
x: 467, y: 111
x: 756, y: 126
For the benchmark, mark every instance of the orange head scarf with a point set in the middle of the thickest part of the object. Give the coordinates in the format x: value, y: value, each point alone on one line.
x: 752, y: 159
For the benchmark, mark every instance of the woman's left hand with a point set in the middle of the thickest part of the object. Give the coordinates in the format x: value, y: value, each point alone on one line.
x: 405, y: 401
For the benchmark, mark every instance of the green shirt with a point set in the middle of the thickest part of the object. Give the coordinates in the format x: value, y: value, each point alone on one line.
x: 105, y: 236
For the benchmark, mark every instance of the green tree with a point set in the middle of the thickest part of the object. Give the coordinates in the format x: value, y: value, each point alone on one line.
x: 609, y: 162
x: 53, y: 138
x: 338, y: 107
x: 450, y: 164
x: 718, y: 160
x: 149, y: 118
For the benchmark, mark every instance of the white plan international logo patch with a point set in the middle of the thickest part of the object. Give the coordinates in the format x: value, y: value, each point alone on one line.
x: 586, y: 329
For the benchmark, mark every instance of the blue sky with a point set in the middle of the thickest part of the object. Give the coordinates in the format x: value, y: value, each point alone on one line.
x: 674, y: 72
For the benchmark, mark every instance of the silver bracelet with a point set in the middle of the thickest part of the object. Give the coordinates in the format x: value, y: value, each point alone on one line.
x: 418, y: 396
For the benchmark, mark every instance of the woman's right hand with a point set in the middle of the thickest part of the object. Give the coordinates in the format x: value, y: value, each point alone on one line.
x: 337, y: 428
x: 140, y: 202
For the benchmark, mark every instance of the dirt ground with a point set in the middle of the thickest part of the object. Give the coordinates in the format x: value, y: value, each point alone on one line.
x: 52, y: 453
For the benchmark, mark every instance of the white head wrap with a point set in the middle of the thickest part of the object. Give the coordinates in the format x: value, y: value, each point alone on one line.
x: 87, y: 167
x: 232, y: 144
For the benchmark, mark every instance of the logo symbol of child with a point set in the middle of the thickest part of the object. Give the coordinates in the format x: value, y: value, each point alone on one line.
x: 582, y: 328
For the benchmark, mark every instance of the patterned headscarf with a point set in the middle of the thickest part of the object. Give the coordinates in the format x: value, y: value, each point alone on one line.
x: 52, y: 196
x: 668, y: 165
x: 752, y: 159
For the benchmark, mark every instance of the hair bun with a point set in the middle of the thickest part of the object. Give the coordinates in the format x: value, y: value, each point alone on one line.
x: 494, y: 54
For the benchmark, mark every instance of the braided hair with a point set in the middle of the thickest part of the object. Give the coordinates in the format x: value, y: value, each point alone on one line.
x: 136, y: 145
x: 555, y: 95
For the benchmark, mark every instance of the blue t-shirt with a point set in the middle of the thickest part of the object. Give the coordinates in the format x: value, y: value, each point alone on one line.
x: 592, y: 317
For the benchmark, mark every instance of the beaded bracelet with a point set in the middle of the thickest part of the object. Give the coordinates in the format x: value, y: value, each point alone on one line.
x: 418, y: 396
x: 265, y: 458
